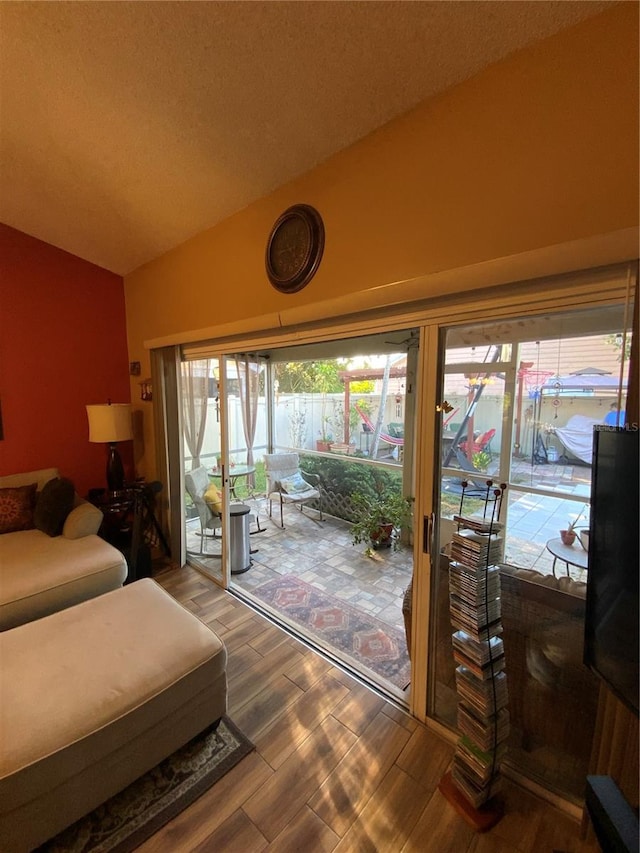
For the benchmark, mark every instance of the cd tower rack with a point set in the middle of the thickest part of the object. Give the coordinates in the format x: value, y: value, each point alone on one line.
x: 481, y: 681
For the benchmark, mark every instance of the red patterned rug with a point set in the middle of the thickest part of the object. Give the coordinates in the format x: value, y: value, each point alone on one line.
x: 377, y: 646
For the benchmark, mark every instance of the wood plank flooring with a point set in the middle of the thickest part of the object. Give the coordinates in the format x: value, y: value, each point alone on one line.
x: 336, y: 767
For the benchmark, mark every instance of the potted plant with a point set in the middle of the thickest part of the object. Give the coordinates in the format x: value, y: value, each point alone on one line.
x: 380, y: 519
x: 481, y: 460
x: 324, y: 437
x: 323, y: 442
x: 339, y: 447
x: 568, y: 536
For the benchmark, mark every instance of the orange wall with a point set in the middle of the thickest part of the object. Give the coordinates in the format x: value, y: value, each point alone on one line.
x: 62, y: 345
x: 539, y: 149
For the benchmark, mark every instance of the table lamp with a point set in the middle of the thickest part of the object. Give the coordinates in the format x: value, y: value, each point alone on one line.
x: 110, y: 423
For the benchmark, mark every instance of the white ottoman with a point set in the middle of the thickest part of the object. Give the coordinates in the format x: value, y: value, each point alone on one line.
x: 92, y: 697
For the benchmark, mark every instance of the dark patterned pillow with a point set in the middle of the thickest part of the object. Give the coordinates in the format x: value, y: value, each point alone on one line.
x: 16, y: 508
x: 54, y: 504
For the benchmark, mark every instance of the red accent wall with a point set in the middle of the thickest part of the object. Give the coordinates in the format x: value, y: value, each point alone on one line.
x: 62, y: 345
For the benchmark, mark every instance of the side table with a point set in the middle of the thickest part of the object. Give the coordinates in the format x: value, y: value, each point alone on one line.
x: 569, y: 555
x: 130, y: 523
x: 117, y: 509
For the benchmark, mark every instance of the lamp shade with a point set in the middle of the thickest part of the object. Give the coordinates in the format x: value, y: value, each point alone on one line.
x: 109, y: 422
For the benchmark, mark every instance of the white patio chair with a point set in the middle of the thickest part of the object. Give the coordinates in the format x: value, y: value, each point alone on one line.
x: 287, y: 483
x: 196, y: 483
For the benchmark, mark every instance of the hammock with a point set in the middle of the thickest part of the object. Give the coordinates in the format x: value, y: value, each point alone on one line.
x: 384, y: 436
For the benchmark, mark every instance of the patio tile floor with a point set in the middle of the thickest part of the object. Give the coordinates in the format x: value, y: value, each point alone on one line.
x: 331, y: 563
x: 322, y: 555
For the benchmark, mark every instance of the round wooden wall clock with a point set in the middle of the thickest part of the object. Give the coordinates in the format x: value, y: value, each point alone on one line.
x: 294, y: 248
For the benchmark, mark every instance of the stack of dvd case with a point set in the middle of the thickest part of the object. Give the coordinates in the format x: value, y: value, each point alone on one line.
x: 481, y: 682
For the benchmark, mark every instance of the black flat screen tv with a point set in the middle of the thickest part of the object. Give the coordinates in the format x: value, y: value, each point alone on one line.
x: 611, y: 619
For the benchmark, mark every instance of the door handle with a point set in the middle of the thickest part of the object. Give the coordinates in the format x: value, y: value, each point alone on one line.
x: 427, y: 533
x: 428, y: 530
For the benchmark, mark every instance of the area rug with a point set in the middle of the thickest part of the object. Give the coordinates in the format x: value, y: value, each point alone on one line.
x: 375, y: 645
x: 130, y: 817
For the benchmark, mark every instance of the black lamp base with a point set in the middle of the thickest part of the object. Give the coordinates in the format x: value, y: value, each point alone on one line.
x: 115, y: 471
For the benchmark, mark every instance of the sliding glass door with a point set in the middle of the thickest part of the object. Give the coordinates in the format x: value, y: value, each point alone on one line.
x: 521, y: 399
x: 341, y: 413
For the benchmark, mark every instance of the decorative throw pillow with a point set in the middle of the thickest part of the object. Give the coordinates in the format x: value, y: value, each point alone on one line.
x: 54, y: 504
x: 16, y: 508
x: 294, y: 484
x: 213, y: 499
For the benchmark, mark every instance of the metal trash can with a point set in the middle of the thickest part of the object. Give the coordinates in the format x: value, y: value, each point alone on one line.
x: 239, y: 545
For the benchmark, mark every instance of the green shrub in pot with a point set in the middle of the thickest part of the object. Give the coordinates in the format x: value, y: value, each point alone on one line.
x: 379, y: 520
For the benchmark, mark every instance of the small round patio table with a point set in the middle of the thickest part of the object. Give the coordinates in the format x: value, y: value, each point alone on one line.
x: 571, y: 555
x: 236, y: 473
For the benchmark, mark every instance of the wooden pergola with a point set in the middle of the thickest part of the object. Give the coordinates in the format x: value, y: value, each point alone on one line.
x: 359, y: 375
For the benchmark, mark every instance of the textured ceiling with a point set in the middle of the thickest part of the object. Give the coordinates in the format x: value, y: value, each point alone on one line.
x: 128, y: 127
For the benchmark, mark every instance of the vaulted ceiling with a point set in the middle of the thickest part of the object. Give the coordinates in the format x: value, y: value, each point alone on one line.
x: 128, y: 127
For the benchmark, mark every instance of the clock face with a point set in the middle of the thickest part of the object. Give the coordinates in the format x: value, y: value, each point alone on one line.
x: 295, y: 248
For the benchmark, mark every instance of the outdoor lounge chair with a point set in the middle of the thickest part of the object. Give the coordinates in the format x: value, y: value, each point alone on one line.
x: 480, y: 443
x: 287, y: 483
x: 466, y: 465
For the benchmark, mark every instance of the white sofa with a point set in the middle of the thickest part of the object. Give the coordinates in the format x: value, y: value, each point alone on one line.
x: 40, y: 574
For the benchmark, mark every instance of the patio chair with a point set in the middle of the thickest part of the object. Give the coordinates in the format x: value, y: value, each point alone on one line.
x: 480, y: 443
x: 197, y: 484
x: 464, y: 463
x: 287, y: 483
